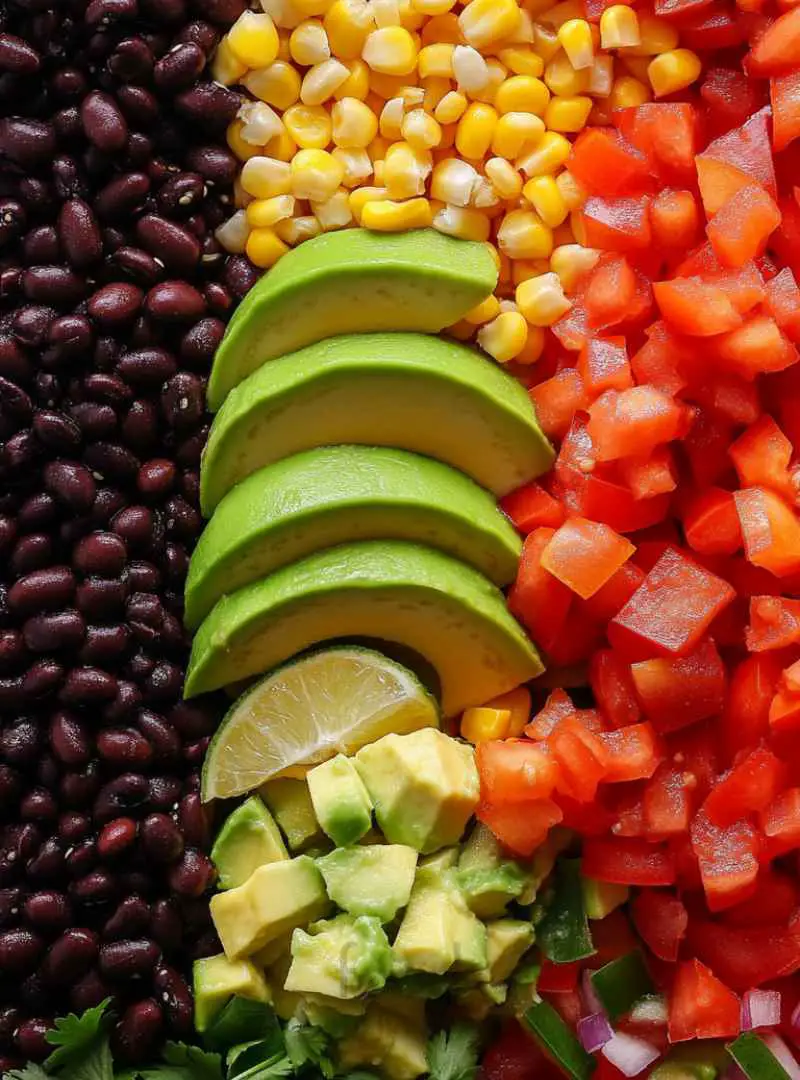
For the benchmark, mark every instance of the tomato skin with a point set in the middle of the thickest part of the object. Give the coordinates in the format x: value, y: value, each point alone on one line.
x: 666, y: 132
x: 680, y: 691
x: 628, y: 861
x: 585, y: 554
x: 744, y: 957
x: 515, y: 770
x: 521, y: 827
x: 515, y: 1055
x: 701, y: 1006
x: 728, y: 859
x: 749, y: 787
x: 711, y: 524
x: 660, y: 918
x: 532, y: 506
x: 558, y: 978
x: 612, y: 685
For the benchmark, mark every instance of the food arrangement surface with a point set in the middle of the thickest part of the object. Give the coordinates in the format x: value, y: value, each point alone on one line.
x: 399, y: 539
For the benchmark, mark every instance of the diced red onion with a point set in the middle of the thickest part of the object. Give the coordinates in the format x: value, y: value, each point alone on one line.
x: 630, y: 1055
x: 760, y: 1009
x: 783, y: 1054
x: 650, y: 1010
x: 594, y: 1032
x: 590, y: 999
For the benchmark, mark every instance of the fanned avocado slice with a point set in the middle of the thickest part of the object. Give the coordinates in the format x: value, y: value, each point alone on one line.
x: 351, y: 281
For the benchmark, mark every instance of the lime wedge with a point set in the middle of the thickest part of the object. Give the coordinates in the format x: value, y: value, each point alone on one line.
x: 328, y: 702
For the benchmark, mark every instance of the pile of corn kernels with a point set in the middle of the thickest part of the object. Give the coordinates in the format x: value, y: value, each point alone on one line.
x: 402, y: 114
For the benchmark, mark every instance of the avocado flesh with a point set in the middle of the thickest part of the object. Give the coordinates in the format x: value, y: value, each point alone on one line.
x: 352, y: 281
x: 344, y: 957
x: 338, y: 494
x: 375, y: 880
x: 248, y: 839
x: 408, y: 391
x: 402, y: 592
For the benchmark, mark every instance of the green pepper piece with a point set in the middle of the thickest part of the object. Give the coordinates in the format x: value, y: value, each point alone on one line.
x: 563, y: 933
x: 558, y: 1042
x: 755, y: 1058
x: 621, y: 983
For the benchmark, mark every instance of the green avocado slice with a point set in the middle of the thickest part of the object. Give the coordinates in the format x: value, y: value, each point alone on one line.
x: 409, y: 391
x: 337, y: 494
x: 404, y: 593
x: 351, y: 282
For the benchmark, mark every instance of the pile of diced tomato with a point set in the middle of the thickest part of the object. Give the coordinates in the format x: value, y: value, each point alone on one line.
x: 661, y: 561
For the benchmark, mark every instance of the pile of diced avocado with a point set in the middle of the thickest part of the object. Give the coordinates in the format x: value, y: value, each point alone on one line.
x: 381, y: 905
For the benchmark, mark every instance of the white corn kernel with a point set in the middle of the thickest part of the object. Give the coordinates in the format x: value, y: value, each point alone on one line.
x: 470, y: 69
x: 233, y: 233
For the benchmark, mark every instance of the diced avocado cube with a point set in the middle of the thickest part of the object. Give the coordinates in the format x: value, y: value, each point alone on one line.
x: 443, y: 860
x: 276, y: 898
x: 424, y: 941
x: 248, y: 839
x: 290, y: 802
x: 216, y: 979
x: 273, y: 951
x: 507, y: 942
x: 389, y: 1041
x: 600, y: 898
x: 481, y: 850
x: 375, y: 880
x: 424, y: 787
x: 343, y: 958
x: 341, y: 803
x: 469, y: 939
x: 488, y: 890
x: 336, y: 1016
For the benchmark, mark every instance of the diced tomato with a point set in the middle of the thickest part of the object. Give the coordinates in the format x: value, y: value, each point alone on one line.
x: 515, y: 1055
x: 659, y: 361
x: 521, y: 827
x: 585, y: 554
x: 587, y: 819
x: 581, y: 758
x: 515, y: 770
x: 603, y: 162
x: 762, y: 456
x: 576, y: 642
x: 557, y: 707
x: 593, y: 496
x: 728, y: 858
x: 706, y: 447
x: 784, y: 92
x: 696, y: 307
x: 701, y: 1007
x: 538, y: 600
x: 558, y: 978
x: 603, y: 365
x: 774, y: 623
x: 755, y: 348
x: 730, y: 96
x: 667, y: 133
x: 631, y: 753
x: 775, y: 900
x: 780, y: 823
x: 610, y: 291
x: 634, y: 421
x: 719, y: 26
x: 783, y: 302
x: 744, y: 957
x: 770, y: 529
x: 777, y: 50
x: 734, y: 160
x: 674, y: 219
x: 675, y: 692
x: 557, y: 400
x: 531, y: 506
x: 627, y: 861
x: 621, y: 225
x: 784, y: 714
x: 741, y: 227
x: 660, y: 919
x: 752, y: 687
x: 671, y: 610
x: 612, y: 684
x: 650, y: 475
x: 749, y: 787
x: 710, y: 522
x: 666, y: 803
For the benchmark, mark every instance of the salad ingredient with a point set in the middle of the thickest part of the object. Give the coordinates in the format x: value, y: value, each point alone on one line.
x: 343, y: 958
x: 756, y: 1059
x: 342, y: 805
x: 351, y: 282
x: 331, y: 701
x: 564, y: 934
x: 217, y: 980
x: 413, y: 392
x: 620, y: 983
x: 290, y: 802
x: 337, y: 494
x: 248, y: 839
x: 558, y: 1041
x: 385, y: 590
x: 374, y: 880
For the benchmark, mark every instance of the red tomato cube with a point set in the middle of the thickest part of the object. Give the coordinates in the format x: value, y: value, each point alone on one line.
x: 675, y: 692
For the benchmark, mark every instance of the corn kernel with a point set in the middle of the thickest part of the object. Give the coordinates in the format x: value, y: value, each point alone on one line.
x: 498, y: 73
x: 354, y: 125
x: 385, y: 13
x: 451, y: 108
x: 421, y: 130
x: 335, y: 213
x: 517, y: 133
x: 482, y: 724
x: 453, y: 181
x: 523, y: 235
x: 233, y: 233
x: 568, y: 113
x: 260, y: 123
x: 484, y: 197
x: 433, y: 7
x: 442, y: 29
x: 264, y: 247
x: 655, y: 36
x: 504, y: 337
x: 347, y: 23
x: 546, y: 43
x: 309, y: 125
x: 406, y: 170
x: 601, y: 79
x: 282, y: 146
x: 534, y: 347
x: 543, y: 194
x: 461, y: 331
x: 391, y: 118
x: 356, y: 85
x: 434, y: 89
x: 571, y: 192
x: 635, y: 65
x: 524, y: 269
x: 284, y: 53
x: 462, y: 222
x: 390, y: 51
x: 562, y: 78
x: 572, y: 262
x: 294, y: 231
x: 308, y: 43
x: 484, y: 312
x: 226, y: 67
x: 504, y: 178
x: 673, y: 71
x: 436, y: 60
x: 557, y: 14
x: 483, y: 22
x: 627, y: 92
x: 476, y: 129
x: 378, y: 147
x: 522, y: 61
x: 312, y: 7
x: 263, y: 177
x: 253, y: 39
x: 390, y: 216
x: 469, y: 68
x: 619, y: 27
x: 524, y: 33
x: 264, y: 213
x: 321, y: 81
x: 316, y: 175
x: 522, y: 93
x: 575, y: 36
x: 278, y: 84
x: 547, y: 156
x: 541, y: 299
x: 412, y: 97
x: 357, y: 166
x: 410, y: 18
x: 233, y: 136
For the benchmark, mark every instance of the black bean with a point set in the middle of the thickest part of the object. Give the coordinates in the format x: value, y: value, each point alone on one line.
x: 161, y: 838
x: 48, y: 911
x: 78, y: 789
x: 71, y: 483
x: 131, y: 919
x: 192, y: 875
x: 31, y: 553
x: 127, y: 793
x: 124, y: 748
x: 11, y: 902
x: 240, y: 275
x: 175, y: 998
x: 216, y: 164
x: 104, y: 12
x: 69, y: 739
x: 174, y: 245
x: 19, y: 951
x: 130, y: 958
x: 139, y: 106
x: 89, y: 991
x: 194, y: 818
x: 201, y: 341
x: 95, y: 422
x: 12, y: 650
x: 58, y: 630
x: 163, y: 792
x: 70, y: 335
x: 20, y: 742
x: 41, y: 245
x: 116, y: 837
x: 147, y: 367
x: 143, y: 576
x: 104, y: 645
x: 57, y: 432
x: 70, y: 957
x: 30, y: 324
x: 42, y: 679
x: 42, y: 590
x: 111, y: 460
x: 138, y: 264
x: 101, y: 386
x: 51, y: 284
x: 97, y: 887
x: 139, y: 1029
x: 30, y: 1039
x: 38, y: 805
x: 26, y: 143
x: 102, y: 553
x: 174, y: 301
x: 17, y: 55
x: 103, y: 122
x: 131, y: 60
x: 79, y: 233
x: 88, y: 686
x: 101, y: 598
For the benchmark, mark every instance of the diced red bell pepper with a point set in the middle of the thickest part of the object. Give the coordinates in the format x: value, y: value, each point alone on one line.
x: 515, y: 1055
x: 706, y: 446
x: 774, y: 623
x: 606, y: 602
x: 734, y: 160
x: 710, y: 522
x: 585, y: 554
x: 603, y: 365
x: 660, y: 919
x: 576, y: 642
x: 667, y: 134
x: 659, y: 361
x: 515, y: 770
x: 594, y: 496
x: 621, y: 225
x: 777, y: 49
x: 572, y: 330
x: 666, y: 803
x: 745, y: 957
x: 531, y: 506
x: 603, y: 162
x: 740, y: 229
x: 633, y: 422
x: 743, y: 284
x: 520, y: 827
x: 610, y: 291
x: 776, y: 898
x: 730, y: 97
x: 780, y: 823
x: 719, y: 26
x: 581, y: 758
x: 728, y: 858
x: 671, y: 610
x: 675, y: 692
x: 627, y: 861
x: 696, y: 307
x: 749, y: 787
x: 557, y: 707
x: 752, y: 686
x: 650, y: 475
x: 784, y: 93
x: 557, y: 400
x: 784, y: 714
x: 632, y: 753
x: 783, y: 302
x: 756, y: 347
x: 586, y: 819
x: 770, y: 529
x: 674, y: 219
x: 762, y: 455
x: 700, y: 1006
x: 612, y: 684
x: 538, y: 600
x: 785, y: 241
x: 558, y: 978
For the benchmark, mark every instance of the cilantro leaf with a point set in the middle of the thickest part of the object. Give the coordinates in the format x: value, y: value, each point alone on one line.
x: 201, y: 1064
x: 27, y: 1072
x: 308, y: 1045
x: 453, y: 1055
x: 75, y: 1036
x: 271, y: 1068
x: 96, y: 1064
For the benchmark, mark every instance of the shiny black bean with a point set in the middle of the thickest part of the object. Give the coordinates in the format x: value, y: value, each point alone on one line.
x: 52, y: 284
x: 132, y: 919
x: 216, y: 164
x: 115, y: 305
x: 147, y: 367
x: 104, y: 645
x: 79, y: 232
x: 103, y: 122
x: 122, y: 195
x: 175, y: 246
x: 71, y: 483
x: 130, y: 958
x: 139, y: 1029
x: 70, y: 957
x: 26, y: 143
x: 175, y: 999
x: 19, y: 951
x: 57, y: 432
x: 56, y: 631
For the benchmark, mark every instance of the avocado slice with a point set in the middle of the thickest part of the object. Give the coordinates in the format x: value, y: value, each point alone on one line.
x: 409, y: 391
x: 405, y: 593
x: 336, y: 494
x: 248, y: 839
x: 375, y: 880
x: 352, y: 281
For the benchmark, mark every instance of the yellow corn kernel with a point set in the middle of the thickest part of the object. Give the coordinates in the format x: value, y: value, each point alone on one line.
x: 405, y: 170
x: 240, y: 197
x: 504, y: 178
x: 309, y: 125
x: 482, y: 724
x: 442, y: 29
x: 312, y: 7
x: 433, y: 7
x: 253, y: 39
x: 378, y: 147
x: 359, y: 198
x: 498, y: 73
x: 627, y: 92
x: 522, y: 61
x: 516, y: 133
x: 534, y: 347
x: 354, y: 124
x: 572, y: 262
x: 453, y: 181
x: 260, y: 123
x: 421, y: 130
x: 547, y: 156
x: 308, y: 43
x: 233, y: 233
x: 476, y: 129
x: 543, y: 194
x: 321, y: 81
x: 335, y: 213
x: 264, y: 177
x: 483, y: 22
x: 434, y: 88
x: 524, y: 33
x: 264, y: 247
x: 357, y: 166
x: 356, y: 85
x: 378, y: 170
x: 282, y: 146
x: 655, y: 36
x: 571, y: 192
x: 568, y: 113
x: 470, y: 70
x: 390, y: 216
x: 451, y: 108
x: 601, y: 78
x: 561, y: 77
x: 347, y: 23
x: 243, y: 149
x: 391, y: 118
x: 462, y: 222
x: 283, y: 44
x: 385, y: 13
x: 575, y: 36
x: 634, y: 65
x: 504, y: 337
x: 541, y: 299
x: 546, y: 43
x: 619, y: 27
x: 226, y: 67
x: 461, y: 331
x: 386, y: 86
x: 522, y: 93
x: 294, y: 231
x: 264, y: 213
x: 410, y: 18
x: 518, y: 704
x: 448, y: 139
x: 412, y: 97
x: 278, y: 84
x: 484, y: 197
x: 673, y: 71
x: 390, y: 51
x: 436, y: 60
x: 524, y: 269
x: 523, y: 235
x: 484, y: 312
x: 316, y: 175
x: 557, y: 14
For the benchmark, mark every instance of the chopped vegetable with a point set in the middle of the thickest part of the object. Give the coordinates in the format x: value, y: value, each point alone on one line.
x: 621, y: 983
x: 556, y: 1039
x: 564, y: 933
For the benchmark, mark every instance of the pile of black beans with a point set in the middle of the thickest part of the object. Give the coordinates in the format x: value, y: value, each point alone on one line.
x: 114, y: 294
